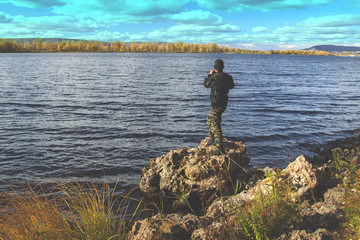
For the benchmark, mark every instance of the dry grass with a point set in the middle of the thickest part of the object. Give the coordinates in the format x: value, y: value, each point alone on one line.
x: 33, y: 215
x: 70, y: 211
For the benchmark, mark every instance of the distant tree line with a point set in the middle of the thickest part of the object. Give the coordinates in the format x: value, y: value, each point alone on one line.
x: 39, y: 45
x: 300, y: 52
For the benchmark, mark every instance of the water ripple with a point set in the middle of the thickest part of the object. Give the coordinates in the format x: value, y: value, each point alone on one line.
x: 71, y: 115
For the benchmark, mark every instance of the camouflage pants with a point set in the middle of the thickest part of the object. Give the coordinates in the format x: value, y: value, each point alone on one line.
x: 214, y: 123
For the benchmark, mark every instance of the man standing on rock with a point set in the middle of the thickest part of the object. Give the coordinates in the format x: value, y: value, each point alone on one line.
x: 220, y: 84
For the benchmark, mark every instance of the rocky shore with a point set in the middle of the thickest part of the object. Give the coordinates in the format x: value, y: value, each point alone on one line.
x: 198, y: 191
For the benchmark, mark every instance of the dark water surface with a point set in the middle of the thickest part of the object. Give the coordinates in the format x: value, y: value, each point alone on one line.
x: 96, y: 114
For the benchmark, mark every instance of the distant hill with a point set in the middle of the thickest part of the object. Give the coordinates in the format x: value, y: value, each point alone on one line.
x: 333, y: 48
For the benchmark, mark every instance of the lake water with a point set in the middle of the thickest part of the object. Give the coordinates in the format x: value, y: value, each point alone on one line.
x: 65, y: 115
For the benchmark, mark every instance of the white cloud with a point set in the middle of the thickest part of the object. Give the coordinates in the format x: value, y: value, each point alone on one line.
x: 341, y: 20
x: 122, y: 10
x: 246, y: 45
x: 198, y: 17
x: 260, y: 29
x: 56, y: 23
x: 5, y: 18
x: 193, y: 29
x: 46, y: 26
x: 35, y: 3
x: 261, y: 5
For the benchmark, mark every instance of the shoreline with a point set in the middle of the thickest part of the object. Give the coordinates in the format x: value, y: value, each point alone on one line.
x: 329, y: 223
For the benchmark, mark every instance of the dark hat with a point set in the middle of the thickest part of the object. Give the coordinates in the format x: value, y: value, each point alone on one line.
x: 219, y: 64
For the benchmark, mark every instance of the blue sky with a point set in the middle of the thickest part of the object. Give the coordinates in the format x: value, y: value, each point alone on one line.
x: 253, y: 24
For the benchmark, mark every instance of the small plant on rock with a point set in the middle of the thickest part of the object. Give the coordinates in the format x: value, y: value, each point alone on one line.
x: 352, y: 207
x: 265, y: 216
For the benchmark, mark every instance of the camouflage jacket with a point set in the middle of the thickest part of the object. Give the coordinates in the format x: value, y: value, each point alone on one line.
x: 220, y: 84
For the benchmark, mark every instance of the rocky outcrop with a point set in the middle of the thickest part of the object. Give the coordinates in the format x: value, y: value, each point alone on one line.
x: 199, y: 175
x: 299, y: 174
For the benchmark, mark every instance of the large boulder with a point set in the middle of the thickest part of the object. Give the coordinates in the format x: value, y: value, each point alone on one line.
x: 198, y: 175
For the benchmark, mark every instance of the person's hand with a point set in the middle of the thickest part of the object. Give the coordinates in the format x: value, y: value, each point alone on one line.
x: 212, y: 71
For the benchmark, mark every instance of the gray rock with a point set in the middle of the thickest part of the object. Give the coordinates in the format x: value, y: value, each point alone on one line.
x: 171, y: 226
x: 319, y: 234
x: 301, y: 175
x: 224, y: 206
x: 197, y: 174
x: 209, y: 232
x: 324, y: 214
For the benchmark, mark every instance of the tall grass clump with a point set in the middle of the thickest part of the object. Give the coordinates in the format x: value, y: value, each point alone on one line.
x: 70, y: 211
x: 33, y: 215
x: 266, y: 215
